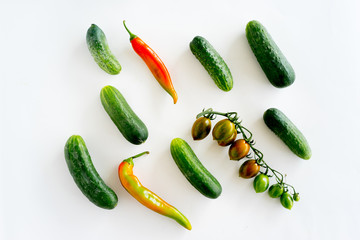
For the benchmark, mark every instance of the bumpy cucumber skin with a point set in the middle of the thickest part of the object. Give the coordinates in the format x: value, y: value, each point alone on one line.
x: 193, y: 170
x: 212, y: 62
x: 99, y: 49
x: 85, y: 175
x: 128, y: 123
x: 281, y: 125
x: 274, y: 64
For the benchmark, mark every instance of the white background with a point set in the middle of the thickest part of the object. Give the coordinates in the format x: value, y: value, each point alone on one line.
x: 50, y: 89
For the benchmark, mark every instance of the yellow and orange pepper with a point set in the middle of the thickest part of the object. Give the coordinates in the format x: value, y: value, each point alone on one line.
x: 146, y: 197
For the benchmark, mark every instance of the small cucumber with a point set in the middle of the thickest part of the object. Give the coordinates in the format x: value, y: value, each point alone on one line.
x: 274, y: 64
x: 287, y: 132
x: 128, y: 123
x: 99, y: 49
x: 212, y: 62
x: 193, y: 170
x: 85, y: 175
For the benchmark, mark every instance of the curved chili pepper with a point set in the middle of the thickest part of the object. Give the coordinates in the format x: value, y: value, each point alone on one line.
x: 146, y: 197
x: 154, y: 63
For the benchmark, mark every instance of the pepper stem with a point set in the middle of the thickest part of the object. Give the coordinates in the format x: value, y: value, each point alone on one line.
x: 132, y: 36
x: 130, y: 159
x: 140, y: 154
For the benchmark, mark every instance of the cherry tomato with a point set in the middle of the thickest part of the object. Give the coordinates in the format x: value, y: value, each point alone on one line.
x: 239, y: 149
x: 286, y: 200
x: 296, y: 197
x: 228, y: 141
x: 261, y: 183
x: 224, y: 129
x: 249, y: 169
x: 201, y: 128
x: 276, y: 190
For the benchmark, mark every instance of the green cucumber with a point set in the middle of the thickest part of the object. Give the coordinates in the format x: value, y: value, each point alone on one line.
x: 128, y: 123
x: 193, y: 170
x: 99, y: 49
x: 272, y: 61
x: 212, y: 62
x: 287, y: 132
x: 85, y: 175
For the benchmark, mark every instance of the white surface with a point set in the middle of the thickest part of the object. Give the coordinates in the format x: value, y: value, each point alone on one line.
x: 50, y: 90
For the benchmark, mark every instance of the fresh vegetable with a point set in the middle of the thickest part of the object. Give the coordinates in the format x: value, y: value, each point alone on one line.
x: 296, y: 197
x: 239, y: 149
x: 193, y: 169
x: 261, y: 183
x: 201, y: 128
x: 286, y: 200
x: 85, y: 175
x: 251, y: 167
x: 128, y: 123
x: 212, y: 62
x: 145, y: 196
x: 276, y: 190
x: 99, y: 49
x: 227, y: 141
x: 281, y: 125
x: 224, y: 132
x: 154, y: 63
x: 274, y: 64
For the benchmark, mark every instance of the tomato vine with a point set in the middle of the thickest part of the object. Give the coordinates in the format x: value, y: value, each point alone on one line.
x: 248, y: 137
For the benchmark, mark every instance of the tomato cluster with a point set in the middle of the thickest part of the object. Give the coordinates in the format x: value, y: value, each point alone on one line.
x: 225, y: 133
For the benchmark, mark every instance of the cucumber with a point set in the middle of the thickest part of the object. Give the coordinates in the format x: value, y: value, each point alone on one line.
x: 85, y: 175
x: 99, y: 49
x: 274, y: 64
x: 128, y: 123
x: 193, y: 170
x: 212, y: 62
x: 287, y: 132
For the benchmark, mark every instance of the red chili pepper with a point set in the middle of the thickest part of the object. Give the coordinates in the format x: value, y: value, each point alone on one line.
x: 154, y: 63
x: 146, y: 197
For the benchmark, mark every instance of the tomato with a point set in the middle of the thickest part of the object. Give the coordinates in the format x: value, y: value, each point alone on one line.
x: 296, y: 197
x: 249, y: 169
x: 276, y: 190
x: 223, y: 130
x: 286, y: 200
x: 261, y: 183
x: 201, y: 128
x: 239, y: 149
x: 228, y: 141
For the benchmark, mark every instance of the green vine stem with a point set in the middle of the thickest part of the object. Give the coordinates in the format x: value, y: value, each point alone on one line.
x: 247, y: 136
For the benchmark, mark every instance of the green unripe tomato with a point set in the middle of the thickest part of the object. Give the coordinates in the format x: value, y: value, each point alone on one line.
x: 276, y: 190
x: 286, y: 200
x: 296, y: 197
x: 261, y: 183
x: 201, y: 128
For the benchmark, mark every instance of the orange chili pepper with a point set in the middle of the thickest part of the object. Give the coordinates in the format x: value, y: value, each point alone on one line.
x: 154, y: 63
x: 146, y: 197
